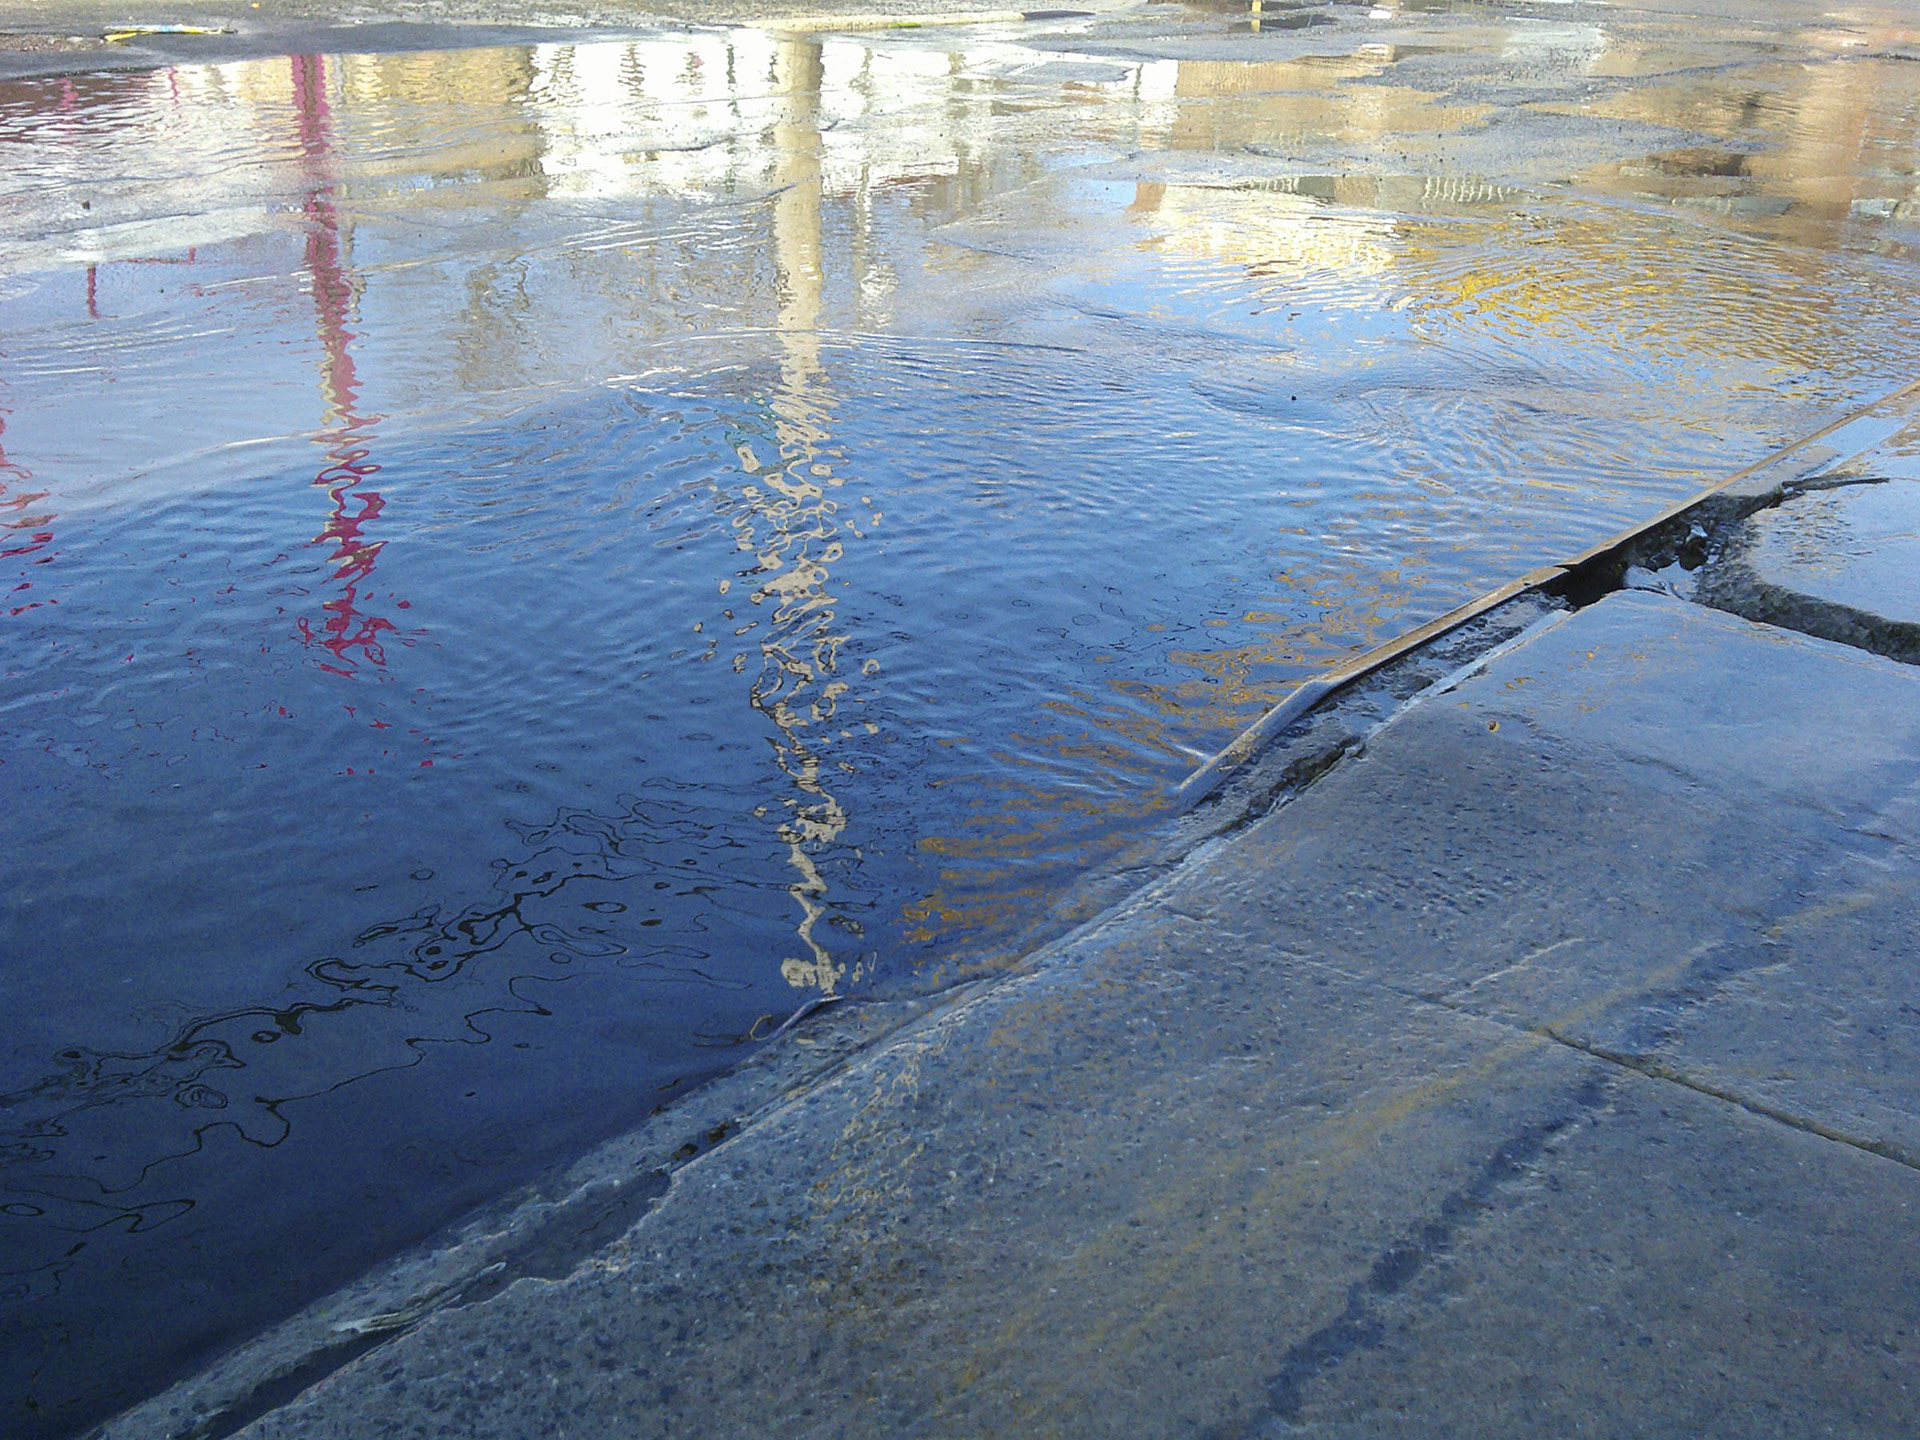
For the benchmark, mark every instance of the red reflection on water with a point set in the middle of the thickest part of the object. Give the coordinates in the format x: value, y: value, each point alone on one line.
x: 351, y: 632
x: 25, y: 529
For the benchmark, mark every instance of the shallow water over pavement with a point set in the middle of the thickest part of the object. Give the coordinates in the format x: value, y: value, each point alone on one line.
x: 521, y: 566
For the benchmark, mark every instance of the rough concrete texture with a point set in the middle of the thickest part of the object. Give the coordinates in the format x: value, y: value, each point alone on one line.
x: 1842, y: 562
x: 1383, y: 1116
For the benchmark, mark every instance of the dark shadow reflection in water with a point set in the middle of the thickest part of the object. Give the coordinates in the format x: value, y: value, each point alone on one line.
x: 114, y: 1147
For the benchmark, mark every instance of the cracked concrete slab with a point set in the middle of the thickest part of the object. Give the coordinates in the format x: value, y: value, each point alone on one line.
x: 1825, y: 1024
x: 1730, y: 893
x: 1480, y: 1090
x: 1839, y: 561
x: 1670, y: 1270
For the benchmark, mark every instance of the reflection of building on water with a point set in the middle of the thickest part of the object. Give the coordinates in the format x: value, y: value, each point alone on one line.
x: 351, y: 632
x: 793, y: 535
x: 782, y: 115
x: 743, y: 110
x: 712, y: 113
x: 701, y: 115
x: 748, y: 112
x: 498, y: 206
x: 1307, y: 101
x: 1805, y: 148
x: 809, y: 137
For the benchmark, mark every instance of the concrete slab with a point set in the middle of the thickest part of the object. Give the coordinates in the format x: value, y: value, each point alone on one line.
x: 1669, y: 1269
x: 1842, y: 562
x: 1618, y: 806
x: 1730, y: 891
x: 1472, y: 1093
x: 1107, y: 1199
x: 1824, y: 1027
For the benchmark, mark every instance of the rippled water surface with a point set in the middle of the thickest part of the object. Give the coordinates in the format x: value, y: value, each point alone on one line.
x: 520, y: 566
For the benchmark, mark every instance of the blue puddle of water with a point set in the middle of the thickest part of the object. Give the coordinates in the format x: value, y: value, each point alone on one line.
x: 390, y: 826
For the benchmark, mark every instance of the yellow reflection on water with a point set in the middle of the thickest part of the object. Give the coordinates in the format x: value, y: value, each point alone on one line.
x: 796, y: 539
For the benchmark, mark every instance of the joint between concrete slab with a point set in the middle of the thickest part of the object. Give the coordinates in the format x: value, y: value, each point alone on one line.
x: 1655, y: 1068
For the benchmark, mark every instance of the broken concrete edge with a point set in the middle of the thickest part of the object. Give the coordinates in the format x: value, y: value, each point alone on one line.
x: 1737, y: 581
x: 1796, y: 466
x: 1736, y: 590
x: 1333, y: 728
x: 1205, y: 780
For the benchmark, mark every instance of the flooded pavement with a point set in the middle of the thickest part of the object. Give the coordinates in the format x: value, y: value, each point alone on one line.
x: 520, y: 566
x: 1546, y: 1068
